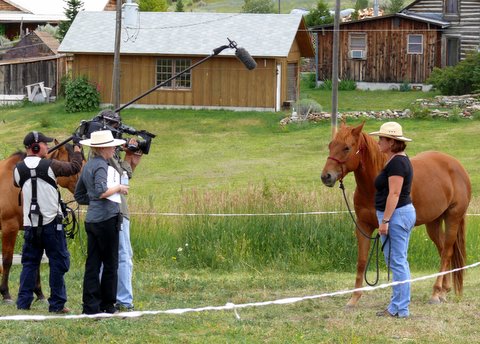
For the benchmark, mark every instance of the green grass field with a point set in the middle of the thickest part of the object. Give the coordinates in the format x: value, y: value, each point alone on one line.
x: 242, y: 162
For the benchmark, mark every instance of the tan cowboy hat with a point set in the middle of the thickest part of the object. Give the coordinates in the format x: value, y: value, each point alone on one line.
x: 391, y: 130
x: 102, y: 138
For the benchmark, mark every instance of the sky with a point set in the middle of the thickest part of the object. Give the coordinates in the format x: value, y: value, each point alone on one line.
x: 57, y: 6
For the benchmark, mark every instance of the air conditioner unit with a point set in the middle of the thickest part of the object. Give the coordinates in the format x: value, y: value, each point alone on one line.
x: 357, y: 54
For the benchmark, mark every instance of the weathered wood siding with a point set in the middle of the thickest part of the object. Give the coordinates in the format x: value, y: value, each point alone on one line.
x: 4, y: 6
x: 220, y: 81
x: 465, y: 25
x: 386, y: 57
x: 15, y: 76
x: 111, y: 5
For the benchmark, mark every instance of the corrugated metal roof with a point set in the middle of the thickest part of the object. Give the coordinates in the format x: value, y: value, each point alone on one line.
x: 184, y: 33
x: 410, y: 16
x: 17, y: 17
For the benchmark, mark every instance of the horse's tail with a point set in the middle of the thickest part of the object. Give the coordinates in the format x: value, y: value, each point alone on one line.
x: 459, y: 257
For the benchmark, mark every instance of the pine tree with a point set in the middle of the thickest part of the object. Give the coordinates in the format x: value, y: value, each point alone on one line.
x: 71, y: 11
x: 179, y: 7
x: 320, y: 15
x: 153, y: 5
x: 394, y: 6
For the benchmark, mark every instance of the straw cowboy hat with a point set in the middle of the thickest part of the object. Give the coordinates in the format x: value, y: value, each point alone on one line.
x: 102, y: 138
x: 391, y: 130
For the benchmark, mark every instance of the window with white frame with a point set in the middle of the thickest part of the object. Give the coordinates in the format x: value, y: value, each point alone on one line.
x: 357, y: 45
x: 415, y: 44
x: 166, y: 68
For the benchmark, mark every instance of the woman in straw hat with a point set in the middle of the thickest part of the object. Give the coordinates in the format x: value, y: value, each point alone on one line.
x: 99, y: 187
x: 395, y: 213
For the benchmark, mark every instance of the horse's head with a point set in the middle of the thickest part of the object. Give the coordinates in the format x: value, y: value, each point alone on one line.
x: 343, y: 156
x: 64, y: 153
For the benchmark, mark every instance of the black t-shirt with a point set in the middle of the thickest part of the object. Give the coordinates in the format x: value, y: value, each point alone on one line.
x: 399, y: 166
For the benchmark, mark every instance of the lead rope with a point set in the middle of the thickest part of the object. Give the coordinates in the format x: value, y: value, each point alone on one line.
x: 375, y: 243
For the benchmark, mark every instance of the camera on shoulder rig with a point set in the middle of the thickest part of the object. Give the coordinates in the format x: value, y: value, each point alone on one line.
x: 109, y: 120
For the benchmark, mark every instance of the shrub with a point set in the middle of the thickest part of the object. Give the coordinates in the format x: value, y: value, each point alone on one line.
x: 460, y: 79
x: 343, y: 85
x: 405, y: 87
x: 81, y: 95
x: 420, y: 112
x: 310, y: 80
x: 326, y: 85
x: 306, y: 106
x: 347, y: 85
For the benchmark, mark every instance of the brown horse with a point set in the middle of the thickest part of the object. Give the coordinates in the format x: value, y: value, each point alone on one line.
x: 441, y: 193
x: 11, y: 216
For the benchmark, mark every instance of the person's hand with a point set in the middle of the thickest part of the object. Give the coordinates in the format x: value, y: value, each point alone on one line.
x: 383, y: 229
x: 123, y: 189
x: 76, y: 140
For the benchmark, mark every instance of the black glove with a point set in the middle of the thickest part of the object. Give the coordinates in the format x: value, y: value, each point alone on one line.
x: 76, y: 140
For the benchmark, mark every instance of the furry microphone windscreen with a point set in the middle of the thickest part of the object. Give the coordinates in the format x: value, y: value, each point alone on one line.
x: 245, y: 58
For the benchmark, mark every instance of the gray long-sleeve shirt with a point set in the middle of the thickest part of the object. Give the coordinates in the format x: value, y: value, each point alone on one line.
x: 91, y: 184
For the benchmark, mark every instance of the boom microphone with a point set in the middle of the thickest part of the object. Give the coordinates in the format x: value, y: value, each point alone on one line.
x: 245, y: 58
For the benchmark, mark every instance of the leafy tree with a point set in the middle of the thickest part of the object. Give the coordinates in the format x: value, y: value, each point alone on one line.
x: 153, y: 5
x: 394, y: 6
x: 320, y: 15
x: 460, y: 79
x: 259, y: 6
x: 179, y: 6
x: 73, y: 7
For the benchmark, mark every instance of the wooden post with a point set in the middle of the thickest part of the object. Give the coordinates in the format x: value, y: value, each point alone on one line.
x: 335, y: 53
x: 116, y: 56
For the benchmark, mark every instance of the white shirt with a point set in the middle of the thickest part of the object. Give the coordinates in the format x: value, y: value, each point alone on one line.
x: 47, y: 196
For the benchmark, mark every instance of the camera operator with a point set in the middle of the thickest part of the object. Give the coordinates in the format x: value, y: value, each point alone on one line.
x: 130, y: 161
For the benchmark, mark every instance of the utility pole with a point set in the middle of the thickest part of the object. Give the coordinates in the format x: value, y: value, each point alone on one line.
x: 335, y: 53
x: 116, y: 56
x: 278, y: 6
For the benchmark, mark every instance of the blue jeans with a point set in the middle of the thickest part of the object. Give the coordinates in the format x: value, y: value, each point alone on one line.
x: 125, y: 266
x: 53, y: 242
x: 399, y: 229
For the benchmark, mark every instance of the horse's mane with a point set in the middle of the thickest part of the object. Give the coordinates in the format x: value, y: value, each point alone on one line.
x: 19, y: 155
x: 369, y: 150
x: 13, y: 159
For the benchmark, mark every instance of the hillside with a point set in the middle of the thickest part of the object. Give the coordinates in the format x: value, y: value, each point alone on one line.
x: 234, y: 6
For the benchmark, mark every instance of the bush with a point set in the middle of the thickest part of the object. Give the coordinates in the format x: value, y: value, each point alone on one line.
x: 347, y: 85
x: 420, y: 112
x: 306, y: 106
x: 343, y: 85
x: 461, y: 79
x: 81, y: 95
x: 310, y: 80
x: 405, y: 87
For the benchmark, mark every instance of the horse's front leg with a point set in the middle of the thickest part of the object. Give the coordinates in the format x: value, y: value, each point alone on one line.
x: 9, y: 236
x: 363, y: 248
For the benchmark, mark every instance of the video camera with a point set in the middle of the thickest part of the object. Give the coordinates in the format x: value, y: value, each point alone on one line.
x: 109, y: 120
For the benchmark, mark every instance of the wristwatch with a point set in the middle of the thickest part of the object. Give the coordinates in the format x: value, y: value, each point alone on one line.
x: 385, y: 221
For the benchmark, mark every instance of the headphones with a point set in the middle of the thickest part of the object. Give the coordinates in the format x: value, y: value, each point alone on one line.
x: 35, y: 147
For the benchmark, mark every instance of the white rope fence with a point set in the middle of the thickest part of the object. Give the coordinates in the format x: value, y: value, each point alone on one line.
x: 333, y: 212
x: 228, y: 306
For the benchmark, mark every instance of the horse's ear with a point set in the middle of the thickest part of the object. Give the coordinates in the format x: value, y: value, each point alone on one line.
x: 357, y: 130
x: 55, y: 141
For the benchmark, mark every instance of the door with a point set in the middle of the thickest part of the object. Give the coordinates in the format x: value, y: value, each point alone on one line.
x: 292, y: 81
